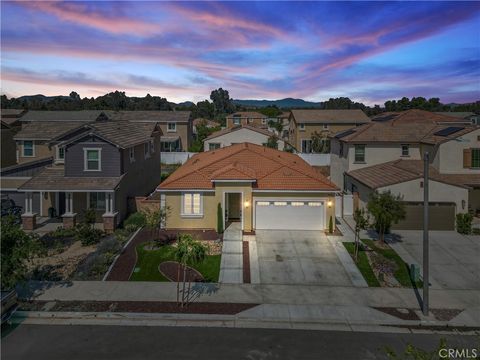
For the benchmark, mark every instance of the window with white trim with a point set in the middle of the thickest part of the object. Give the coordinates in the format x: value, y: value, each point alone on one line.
x: 301, y: 127
x: 97, y: 201
x: 171, y: 127
x: 131, y: 154
x: 59, y: 153
x: 152, y: 146
x: 192, y: 204
x: 28, y: 148
x: 213, y: 146
x: 405, y: 150
x: 92, y: 161
x: 146, y: 150
x: 325, y: 126
x: 359, y: 153
x: 236, y: 120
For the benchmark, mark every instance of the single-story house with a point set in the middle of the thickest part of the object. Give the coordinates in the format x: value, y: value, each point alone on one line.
x: 260, y: 187
x: 240, y: 134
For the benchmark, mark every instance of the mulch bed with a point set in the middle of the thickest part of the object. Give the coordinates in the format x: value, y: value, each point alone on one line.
x: 137, y: 307
x: 125, y: 264
x: 445, y: 314
x: 246, y: 263
x: 405, y: 314
x: 169, y: 269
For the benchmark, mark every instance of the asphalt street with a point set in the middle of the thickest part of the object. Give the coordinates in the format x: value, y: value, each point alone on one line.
x: 69, y: 342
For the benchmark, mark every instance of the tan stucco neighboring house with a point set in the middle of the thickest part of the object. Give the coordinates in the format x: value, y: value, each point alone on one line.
x: 387, y: 155
x: 240, y: 134
x: 176, y: 126
x: 247, y: 118
x: 305, y: 123
x: 259, y: 187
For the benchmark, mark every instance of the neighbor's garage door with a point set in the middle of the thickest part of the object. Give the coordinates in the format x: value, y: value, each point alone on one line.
x: 289, y: 215
x: 441, y: 217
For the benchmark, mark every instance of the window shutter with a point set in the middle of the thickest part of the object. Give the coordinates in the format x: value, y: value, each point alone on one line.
x: 467, y: 158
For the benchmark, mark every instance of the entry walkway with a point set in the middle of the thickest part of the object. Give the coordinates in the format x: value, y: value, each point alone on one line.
x: 231, y: 266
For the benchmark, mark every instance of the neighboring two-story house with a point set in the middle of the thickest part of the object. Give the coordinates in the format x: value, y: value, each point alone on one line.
x: 387, y: 155
x: 10, y: 126
x: 251, y: 118
x: 305, y: 124
x: 102, y: 164
x: 176, y: 126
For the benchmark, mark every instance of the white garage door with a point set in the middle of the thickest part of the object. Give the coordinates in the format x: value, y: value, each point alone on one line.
x: 289, y: 215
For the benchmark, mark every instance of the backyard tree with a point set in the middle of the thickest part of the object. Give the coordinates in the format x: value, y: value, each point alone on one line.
x: 272, y: 142
x: 188, y: 251
x: 320, y: 143
x: 17, y: 249
x: 361, y: 223
x: 386, y: 208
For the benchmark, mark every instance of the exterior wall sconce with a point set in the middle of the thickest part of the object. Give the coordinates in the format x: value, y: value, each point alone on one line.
x: 246, y: 204
x: 329, y: 203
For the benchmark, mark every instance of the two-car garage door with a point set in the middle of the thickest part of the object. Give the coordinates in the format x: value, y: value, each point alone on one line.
x: 441, y: 217
x: 289, y: 215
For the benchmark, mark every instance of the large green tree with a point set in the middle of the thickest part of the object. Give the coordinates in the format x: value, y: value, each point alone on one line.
x: 386, y: 208
x: 222, y: 102
x: 17, y: 250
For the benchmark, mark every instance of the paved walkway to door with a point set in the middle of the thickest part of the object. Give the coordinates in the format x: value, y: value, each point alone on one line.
x: 231, y: 266
x: 298, y: 257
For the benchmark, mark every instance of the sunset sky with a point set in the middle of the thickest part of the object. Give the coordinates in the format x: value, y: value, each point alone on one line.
x: 368, y: 51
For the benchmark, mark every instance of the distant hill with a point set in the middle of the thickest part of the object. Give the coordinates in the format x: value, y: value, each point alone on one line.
x: 283, y: 103
x: 41, y: 98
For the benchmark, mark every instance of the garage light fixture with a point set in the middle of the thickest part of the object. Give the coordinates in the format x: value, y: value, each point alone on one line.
x: 329, y: 204
x: 246, y: 204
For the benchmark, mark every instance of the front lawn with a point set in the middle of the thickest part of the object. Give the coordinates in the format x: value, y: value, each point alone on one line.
x: 146, y: 268
x: 401, y: 273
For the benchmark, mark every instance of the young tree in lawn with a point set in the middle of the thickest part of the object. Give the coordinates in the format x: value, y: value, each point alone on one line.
x: 187, y: 251
x: 17, y: 249
x: 154, y: 219
x: 361, y: 223
x: 386, y: 208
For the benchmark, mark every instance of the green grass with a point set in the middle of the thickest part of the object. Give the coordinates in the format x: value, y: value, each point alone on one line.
x: 148, y: 261
x: 402, y: 274
x: 363, y: 265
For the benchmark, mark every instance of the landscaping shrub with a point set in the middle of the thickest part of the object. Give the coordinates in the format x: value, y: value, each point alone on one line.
x: 219, y: 219
x: 135, y: 221
x: 464, y: 223
x: 88, y: 235
x: 61, y: 232
x: 89, y: 216
x: 121, y: 235
x: 109, y: 245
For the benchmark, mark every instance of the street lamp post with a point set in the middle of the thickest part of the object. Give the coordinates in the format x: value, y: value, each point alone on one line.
x: 425, y: 234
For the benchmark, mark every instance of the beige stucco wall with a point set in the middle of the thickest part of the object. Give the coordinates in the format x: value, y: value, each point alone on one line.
x: 474, y: 200
x: 211, y: 199
x: 41, y: 151
x: 183, y: 131
x: 450, y: 154
x: 247, y: 121
x: 338, y: 164
x: 8, y: 147
x: 241, y: 136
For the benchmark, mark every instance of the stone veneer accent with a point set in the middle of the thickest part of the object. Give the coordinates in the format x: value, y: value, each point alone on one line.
x: 29, y: 221
x: 69, y: 221
x: 110, y: 223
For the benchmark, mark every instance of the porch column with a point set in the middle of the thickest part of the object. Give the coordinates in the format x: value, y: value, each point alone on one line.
x: 29, y: 218
x: 110, y: 216
x: 69, y: 218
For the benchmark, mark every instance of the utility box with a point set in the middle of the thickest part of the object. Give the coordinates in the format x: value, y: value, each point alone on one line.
x: 414, y: 272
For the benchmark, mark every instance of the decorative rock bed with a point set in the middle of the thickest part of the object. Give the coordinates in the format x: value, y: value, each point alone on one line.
x: 169, y: 269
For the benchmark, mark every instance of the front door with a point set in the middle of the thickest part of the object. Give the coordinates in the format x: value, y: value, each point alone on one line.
x: 233, y: 208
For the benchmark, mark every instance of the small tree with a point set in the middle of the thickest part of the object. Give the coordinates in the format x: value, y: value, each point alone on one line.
x: 187, y: 251
x: 361, y: 223
x: 386, y: 208
x: 464, y: 223
x: 154, y: 219
x: 219, y: 219
x: 330, y: 225
x: 272, y: 142
x: 90, y: 217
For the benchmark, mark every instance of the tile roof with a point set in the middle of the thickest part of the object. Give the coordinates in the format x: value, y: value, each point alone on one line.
x: 399, y: 171
x: 418, y: 116
x: 240, y: 127
x: 272, y: 169
x: 247, y: 114
x: 52, y: 178
x: 45, y: 130
x: 80, y: 115
x: 414, y: 126
x: 457, y: 114
x: 150, y: 115
x: 12, y: 112
x: 317, y: 116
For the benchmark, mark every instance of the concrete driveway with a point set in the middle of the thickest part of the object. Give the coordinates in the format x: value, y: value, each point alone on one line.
x: 298, y: 257
x: 454, y: 258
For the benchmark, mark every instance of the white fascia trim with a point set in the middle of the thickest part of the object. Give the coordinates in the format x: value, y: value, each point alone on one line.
x: 240, y: 181
x: 185, y: 190
x: 299, y: 191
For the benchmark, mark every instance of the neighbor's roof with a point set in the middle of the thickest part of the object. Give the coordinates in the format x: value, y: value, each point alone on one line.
x: 413, y: 126
x: 45, y: 130
x: 270, y: 169
x: 12, y: 112
x: 203, y: 121
x: 457, y: 114
x: 150, y: 116
x: 399, y: 171
x: 240, y: 127
x: 416, y: 116
x: 316, y: 116
x: 52, y: 178
x: 248, y: 114
x: 80, y: 115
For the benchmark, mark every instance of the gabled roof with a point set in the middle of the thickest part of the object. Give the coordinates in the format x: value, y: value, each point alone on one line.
x: 457, y: 114
x: 399, y: 171
x: 45, y: 130
x: 48, y: 115
x: 271, y: 169
x: 240, y: 127
x: 247, y: 114
x: 12, y: 113
x: 150, y: 116
x: 418, y: 116
x: 317, y: 116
